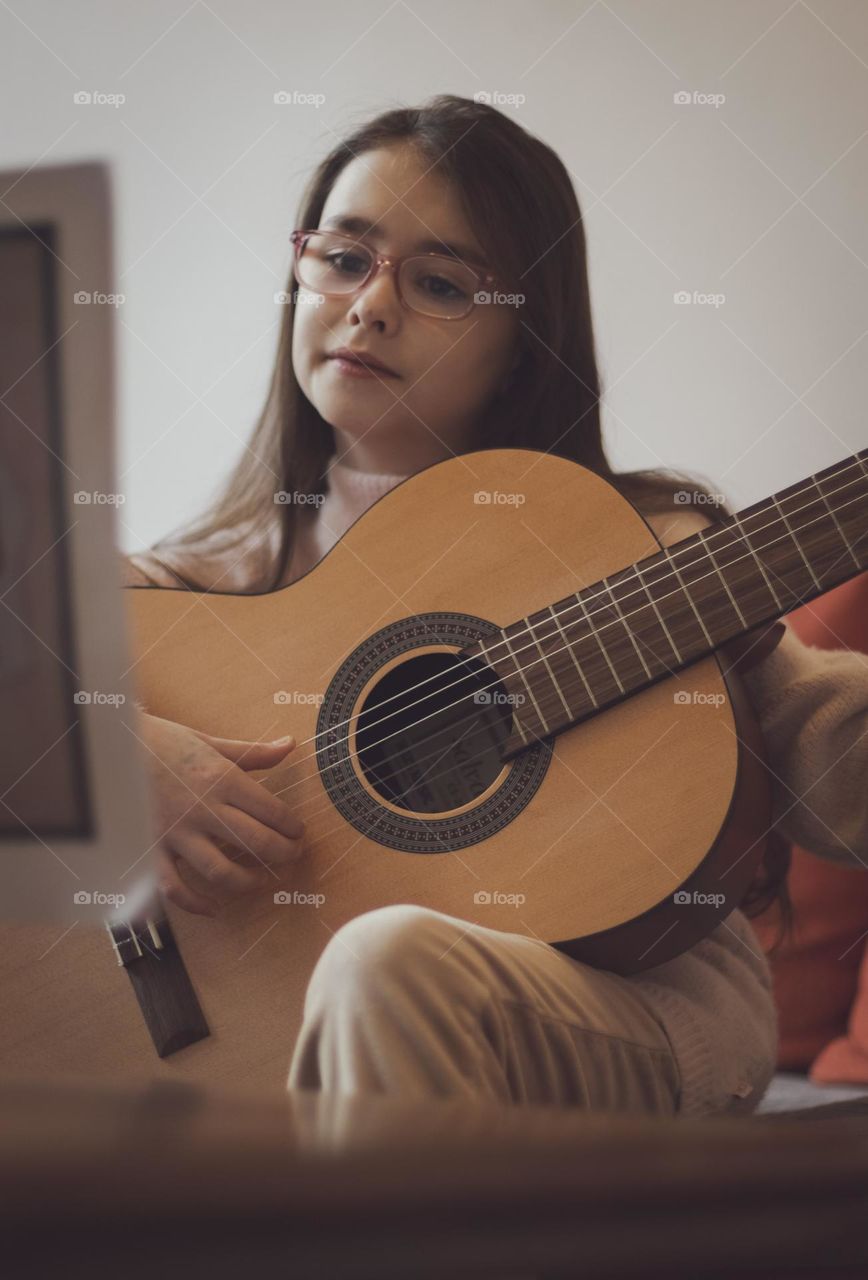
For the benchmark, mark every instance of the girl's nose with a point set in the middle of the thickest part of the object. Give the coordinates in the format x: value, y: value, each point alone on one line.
x: 378, y: 300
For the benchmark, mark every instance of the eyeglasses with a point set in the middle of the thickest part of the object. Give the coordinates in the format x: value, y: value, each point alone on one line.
x: 429, y: 283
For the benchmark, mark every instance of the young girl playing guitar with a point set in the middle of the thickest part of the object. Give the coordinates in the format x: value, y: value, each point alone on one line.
x: 488, y: 343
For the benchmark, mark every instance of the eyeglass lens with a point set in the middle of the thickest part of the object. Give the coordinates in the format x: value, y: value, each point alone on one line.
x: 433, y: 285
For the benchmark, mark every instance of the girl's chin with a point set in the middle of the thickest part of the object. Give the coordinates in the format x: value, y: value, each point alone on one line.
x: 347, y: 413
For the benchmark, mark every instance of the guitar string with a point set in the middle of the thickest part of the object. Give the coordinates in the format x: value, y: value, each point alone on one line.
x: 671, y: 552
x: 353, y: 755
x: 472, y: 716
x: 521, y: 669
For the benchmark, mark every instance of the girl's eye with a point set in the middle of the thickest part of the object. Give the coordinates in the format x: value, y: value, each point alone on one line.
x: 347, y: 263
x: 440, y: 287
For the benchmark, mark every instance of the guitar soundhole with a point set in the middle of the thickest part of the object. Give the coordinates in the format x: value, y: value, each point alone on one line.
x: 430, y: 733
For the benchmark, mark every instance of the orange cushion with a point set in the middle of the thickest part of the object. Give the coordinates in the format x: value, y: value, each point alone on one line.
x: 821, y: 974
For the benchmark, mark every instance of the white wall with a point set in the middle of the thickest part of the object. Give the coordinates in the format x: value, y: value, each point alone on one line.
x: 761, y: 198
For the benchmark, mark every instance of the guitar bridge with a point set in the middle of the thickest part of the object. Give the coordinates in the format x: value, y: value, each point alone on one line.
x: 148, y: 951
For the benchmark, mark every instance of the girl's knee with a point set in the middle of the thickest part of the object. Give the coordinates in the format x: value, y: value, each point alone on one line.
x: 399, y: 938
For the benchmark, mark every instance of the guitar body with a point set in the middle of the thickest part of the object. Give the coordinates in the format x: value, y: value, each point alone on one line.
x: 582, y: 840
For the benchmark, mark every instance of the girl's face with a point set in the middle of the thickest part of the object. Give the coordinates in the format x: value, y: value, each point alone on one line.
x: 446, y: 371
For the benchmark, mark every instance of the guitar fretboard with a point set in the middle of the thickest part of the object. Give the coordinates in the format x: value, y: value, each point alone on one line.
x: 651, y: 619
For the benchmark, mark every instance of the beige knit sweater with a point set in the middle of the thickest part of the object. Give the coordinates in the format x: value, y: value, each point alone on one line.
x: 714, y: 1001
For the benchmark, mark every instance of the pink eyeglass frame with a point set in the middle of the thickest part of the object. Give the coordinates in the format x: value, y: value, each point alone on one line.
x: 299, y: 236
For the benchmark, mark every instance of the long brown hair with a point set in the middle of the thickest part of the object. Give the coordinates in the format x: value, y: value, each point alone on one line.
x: 519, y: 200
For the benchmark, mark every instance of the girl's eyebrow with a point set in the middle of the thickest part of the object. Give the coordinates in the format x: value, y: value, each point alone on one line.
x: 355, y: 225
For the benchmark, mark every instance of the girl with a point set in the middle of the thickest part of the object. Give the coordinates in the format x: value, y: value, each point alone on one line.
x: 404, y: 999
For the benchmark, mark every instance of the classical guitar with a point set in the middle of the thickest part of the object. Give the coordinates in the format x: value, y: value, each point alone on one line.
x: 508, y: 706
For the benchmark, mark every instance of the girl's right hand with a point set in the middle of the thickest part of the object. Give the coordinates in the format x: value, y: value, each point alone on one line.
x: 201, y: 794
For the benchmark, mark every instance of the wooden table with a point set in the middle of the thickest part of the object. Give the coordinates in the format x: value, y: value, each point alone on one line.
x: 118, y: 1181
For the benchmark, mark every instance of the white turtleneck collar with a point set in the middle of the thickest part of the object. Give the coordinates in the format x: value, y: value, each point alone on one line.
x: 350, y: 493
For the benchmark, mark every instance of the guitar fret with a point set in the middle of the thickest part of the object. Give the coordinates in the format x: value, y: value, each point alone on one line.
x: 798, y: 545
x: 689, y: 597
x: 554, y: 681
x: 759, y: 562
x: 602, y: 647
x: 830, y: 509
x: 526, y: 684
x: 850, y: 505
x: 864, y: 469
x: 710, y: 555
x: 673, y: 605
x: 660, y: 617
x: 483, y: 653
x: 848, y: 501
x: 626, y: 627
x: 569, y: 647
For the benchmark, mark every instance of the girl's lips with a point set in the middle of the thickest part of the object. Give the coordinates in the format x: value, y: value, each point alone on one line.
x: 354, y: 369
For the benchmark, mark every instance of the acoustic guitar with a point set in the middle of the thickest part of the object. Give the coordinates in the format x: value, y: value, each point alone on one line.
x: 508, y: 706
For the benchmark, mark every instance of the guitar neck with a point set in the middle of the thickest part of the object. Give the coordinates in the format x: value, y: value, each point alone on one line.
x: 655, y: 617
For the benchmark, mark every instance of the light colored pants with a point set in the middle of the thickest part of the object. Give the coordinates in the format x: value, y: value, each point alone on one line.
x: 411, y: 1002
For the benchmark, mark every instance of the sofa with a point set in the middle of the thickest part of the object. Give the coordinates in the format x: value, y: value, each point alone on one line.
x: 820, y: 974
